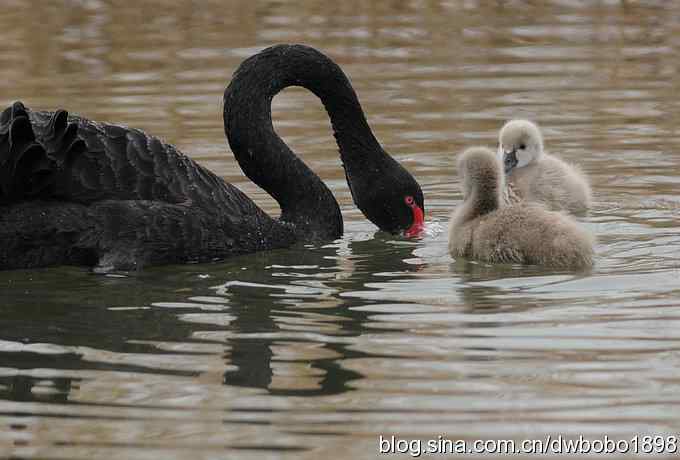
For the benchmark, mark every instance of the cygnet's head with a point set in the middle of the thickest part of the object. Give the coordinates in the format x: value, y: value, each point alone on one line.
x: 520, y: 143
x: 480, y: 170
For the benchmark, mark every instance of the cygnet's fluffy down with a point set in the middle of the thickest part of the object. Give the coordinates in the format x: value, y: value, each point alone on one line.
x: 485, y: 228
x: 534, y: 175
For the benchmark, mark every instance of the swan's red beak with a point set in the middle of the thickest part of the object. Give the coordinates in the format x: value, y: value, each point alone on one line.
x: 418, y: 221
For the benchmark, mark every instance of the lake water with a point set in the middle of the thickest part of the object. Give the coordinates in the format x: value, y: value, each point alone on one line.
x: 317, y: 351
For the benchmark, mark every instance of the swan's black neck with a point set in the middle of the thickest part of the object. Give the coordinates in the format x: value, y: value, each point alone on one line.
x: 305, y: 201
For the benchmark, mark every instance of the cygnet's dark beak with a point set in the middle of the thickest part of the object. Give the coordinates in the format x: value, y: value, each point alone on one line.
x: 509, y: 160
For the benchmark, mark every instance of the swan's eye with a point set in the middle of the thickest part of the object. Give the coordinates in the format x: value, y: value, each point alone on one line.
x: 522, y: 146
x: 409, y: 200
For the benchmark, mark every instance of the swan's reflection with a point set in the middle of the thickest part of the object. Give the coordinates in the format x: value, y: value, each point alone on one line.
x: 281, y: 314
x: 66, y: 326
x: 292, y: 342
x: 32, y: 389
x: 290, y: 322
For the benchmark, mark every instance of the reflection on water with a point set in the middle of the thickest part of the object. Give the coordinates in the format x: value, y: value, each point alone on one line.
x: 316, y: 351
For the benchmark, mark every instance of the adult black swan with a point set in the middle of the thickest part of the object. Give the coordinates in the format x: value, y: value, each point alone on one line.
x: 74, y: 191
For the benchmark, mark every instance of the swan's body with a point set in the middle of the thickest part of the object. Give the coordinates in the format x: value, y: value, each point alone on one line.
x: 534, y: 175
x: 74, y: 191
x: 485, y: 228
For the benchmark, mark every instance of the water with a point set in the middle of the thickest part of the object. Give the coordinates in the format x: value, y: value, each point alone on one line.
x: 318, y: 350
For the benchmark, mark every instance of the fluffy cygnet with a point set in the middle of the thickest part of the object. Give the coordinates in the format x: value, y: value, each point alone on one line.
x: 534, y: 175
x: 485, y: 228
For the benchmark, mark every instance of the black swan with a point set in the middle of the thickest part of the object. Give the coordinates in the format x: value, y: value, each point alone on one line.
x: 78, y: 192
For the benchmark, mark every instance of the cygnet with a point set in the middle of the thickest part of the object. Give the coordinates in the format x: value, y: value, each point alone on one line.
x: 485, y: 227
x: 534, y: 175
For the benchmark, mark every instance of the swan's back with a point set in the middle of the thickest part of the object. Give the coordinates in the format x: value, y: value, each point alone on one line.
x: 555, y: 183
x: 521, y: 232
x: 121, y: 163
x: 528, y: 234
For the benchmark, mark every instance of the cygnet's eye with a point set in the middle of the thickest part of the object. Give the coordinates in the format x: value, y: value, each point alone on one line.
x: 409, y: 200
x: 522, y: 146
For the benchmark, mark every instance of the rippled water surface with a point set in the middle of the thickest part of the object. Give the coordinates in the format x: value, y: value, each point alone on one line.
x: 315, y: 351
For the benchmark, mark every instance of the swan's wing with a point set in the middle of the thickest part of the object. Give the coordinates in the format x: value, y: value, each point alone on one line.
x: 86, y: 162
x: 25, y: 169
x: 57, y: 156
x: 116, y: 162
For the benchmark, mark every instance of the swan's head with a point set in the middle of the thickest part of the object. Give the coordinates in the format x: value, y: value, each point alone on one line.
x: 480, y: 171
x: 390, y: 197
x: 520, y: 143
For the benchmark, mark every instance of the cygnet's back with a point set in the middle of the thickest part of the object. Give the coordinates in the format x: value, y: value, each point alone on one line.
x: 534, y: 175
x: 483, y: 227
